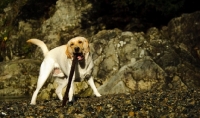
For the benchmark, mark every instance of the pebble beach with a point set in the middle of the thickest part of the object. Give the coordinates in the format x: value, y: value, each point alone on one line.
x: 151, y: 104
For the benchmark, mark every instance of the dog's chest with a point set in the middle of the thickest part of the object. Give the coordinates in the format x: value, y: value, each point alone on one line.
x: 79, y: 73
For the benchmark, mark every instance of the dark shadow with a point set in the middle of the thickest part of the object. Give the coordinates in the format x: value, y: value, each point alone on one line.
x: 135, y: 15
x: 36, y: 9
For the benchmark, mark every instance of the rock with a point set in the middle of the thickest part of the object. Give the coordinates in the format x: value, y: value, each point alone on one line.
x: 143, y: 75
x: 16, y: 76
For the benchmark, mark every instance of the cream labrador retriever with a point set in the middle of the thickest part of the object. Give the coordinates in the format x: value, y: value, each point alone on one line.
x: 59, y: 60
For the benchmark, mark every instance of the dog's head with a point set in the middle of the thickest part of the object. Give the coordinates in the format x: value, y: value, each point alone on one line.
x: 78, y: 46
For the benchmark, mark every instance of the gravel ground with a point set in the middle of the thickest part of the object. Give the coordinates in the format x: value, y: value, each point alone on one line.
x: 166, y: 104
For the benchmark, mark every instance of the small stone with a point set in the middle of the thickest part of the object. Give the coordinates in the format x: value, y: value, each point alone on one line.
x: 131, y: 113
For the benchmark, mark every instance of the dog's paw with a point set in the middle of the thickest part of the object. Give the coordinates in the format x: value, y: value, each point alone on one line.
x: 32, y: 103
x: 98, y: 94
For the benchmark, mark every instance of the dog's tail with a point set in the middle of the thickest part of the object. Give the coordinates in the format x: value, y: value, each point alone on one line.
x: 40, y: 44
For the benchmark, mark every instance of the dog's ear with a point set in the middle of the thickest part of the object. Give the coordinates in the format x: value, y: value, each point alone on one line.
x: 86, y: 46
x: 68, y: 51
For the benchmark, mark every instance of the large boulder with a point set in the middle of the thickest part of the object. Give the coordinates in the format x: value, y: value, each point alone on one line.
x: 18, y: 78
x: 141, y: 75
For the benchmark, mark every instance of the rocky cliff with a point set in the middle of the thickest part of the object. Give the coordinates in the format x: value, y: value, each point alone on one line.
x: 125, y: 61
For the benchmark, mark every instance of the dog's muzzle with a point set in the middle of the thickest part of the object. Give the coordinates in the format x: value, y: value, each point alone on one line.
x: 79, y: 56
x: 76, y: 49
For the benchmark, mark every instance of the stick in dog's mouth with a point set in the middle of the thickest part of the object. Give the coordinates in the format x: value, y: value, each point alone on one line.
x: 79, y: 56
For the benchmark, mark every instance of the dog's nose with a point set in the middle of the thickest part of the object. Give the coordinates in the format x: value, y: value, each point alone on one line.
x: 76, y: 49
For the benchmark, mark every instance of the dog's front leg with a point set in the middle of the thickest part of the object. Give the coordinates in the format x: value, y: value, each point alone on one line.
x: 71, y: 92
x: 91, y: 83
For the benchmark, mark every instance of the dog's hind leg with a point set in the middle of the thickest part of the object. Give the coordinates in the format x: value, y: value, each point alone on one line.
x: 61, y: 84
x: 45, y: 69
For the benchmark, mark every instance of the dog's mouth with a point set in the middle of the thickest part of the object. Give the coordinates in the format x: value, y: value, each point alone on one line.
x: 79, y: 56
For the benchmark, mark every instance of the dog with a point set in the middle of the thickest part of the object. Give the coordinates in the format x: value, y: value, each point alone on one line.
x: 59, y: 61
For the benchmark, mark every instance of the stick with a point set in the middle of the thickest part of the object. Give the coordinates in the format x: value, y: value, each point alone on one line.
x: 69, y: 81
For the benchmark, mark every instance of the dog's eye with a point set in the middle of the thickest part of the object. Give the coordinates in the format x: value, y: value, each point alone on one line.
x: 71, y: 44
x: 79, y: 42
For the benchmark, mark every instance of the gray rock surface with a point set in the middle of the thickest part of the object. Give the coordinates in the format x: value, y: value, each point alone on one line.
x: 17, y: 78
